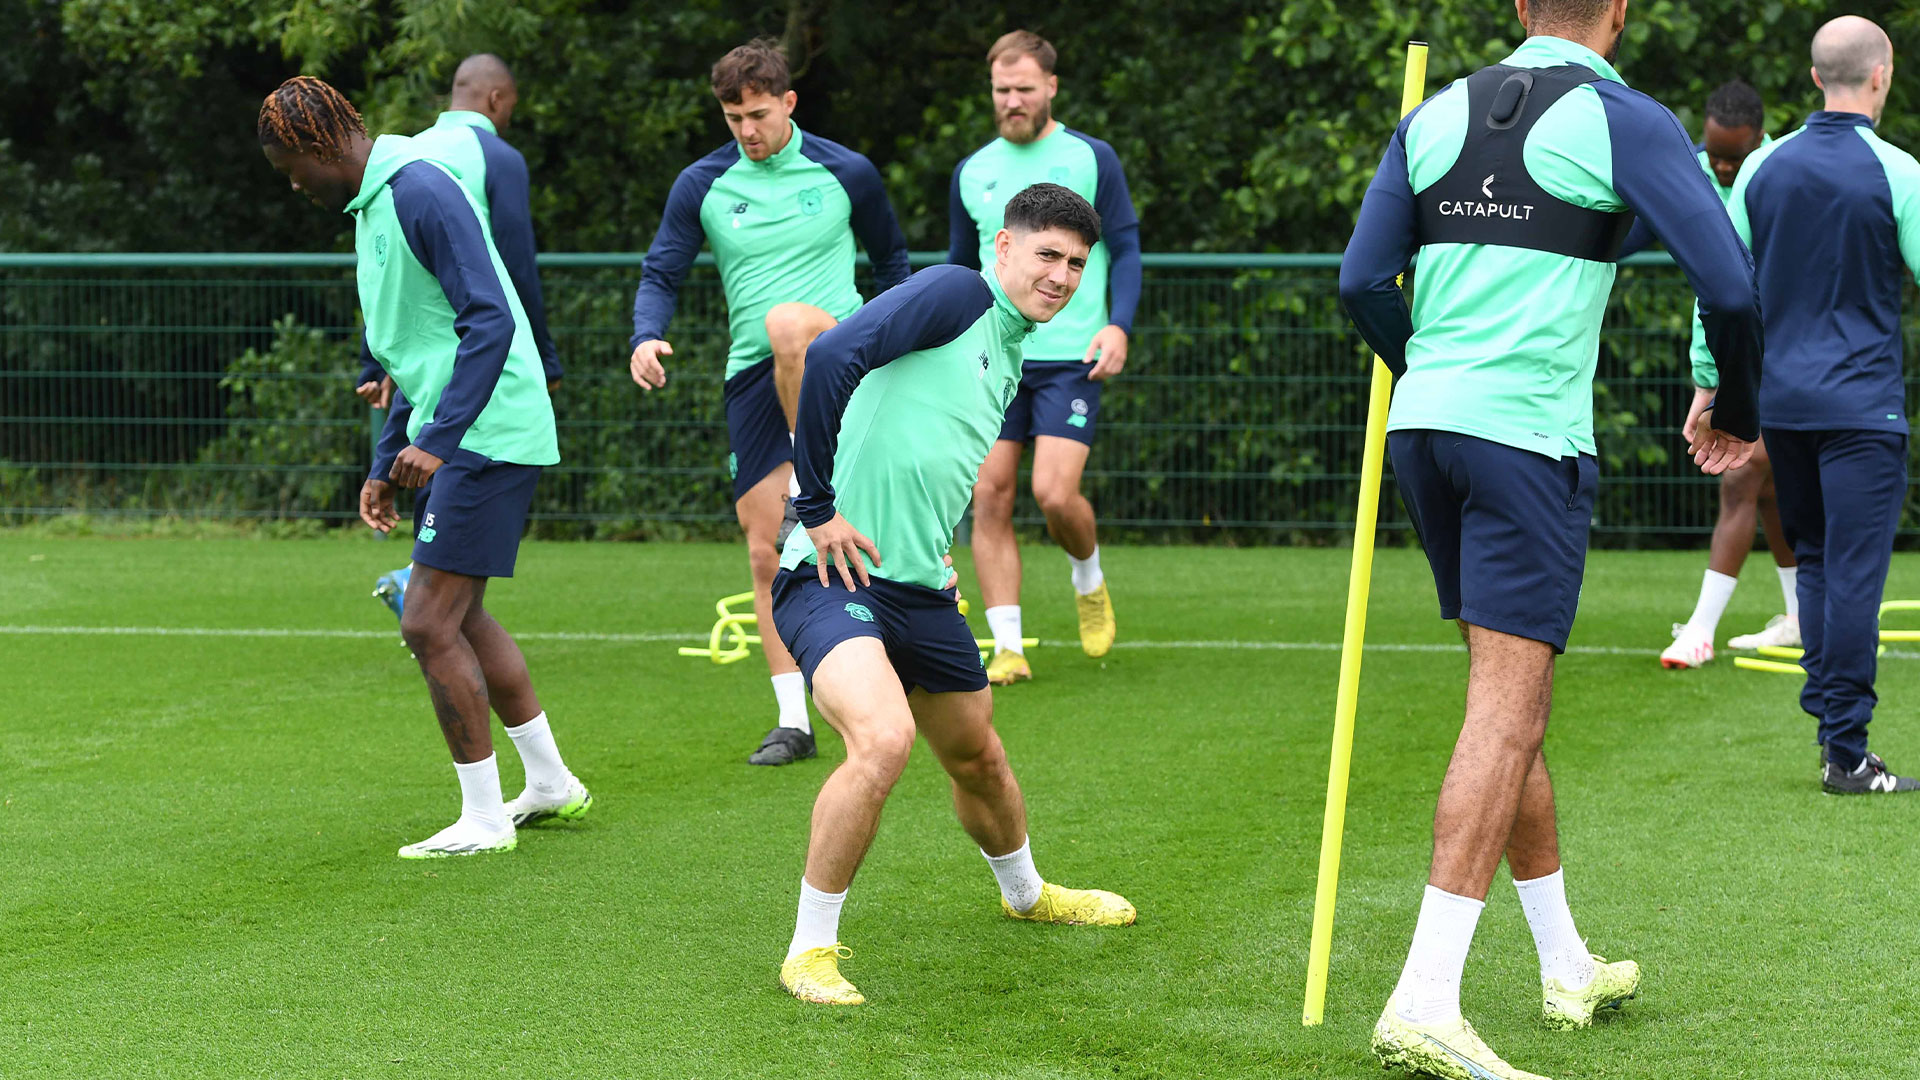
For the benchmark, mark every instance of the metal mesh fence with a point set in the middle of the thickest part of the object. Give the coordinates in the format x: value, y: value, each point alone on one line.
x: 219, y: 386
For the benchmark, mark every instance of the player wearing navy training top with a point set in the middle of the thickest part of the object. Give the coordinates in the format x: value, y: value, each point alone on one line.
x: 781, y: 209
x: 1832, y: 213
x: 467, y: 138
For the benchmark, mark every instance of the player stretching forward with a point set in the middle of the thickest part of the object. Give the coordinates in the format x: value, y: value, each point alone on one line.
x: 467, y: 138
x: 781, y: 209
x: 473, y: 404
x: 900, y: 405
x: 1514, y: 186
x: 1059, y: 397
x: 1735, y: 128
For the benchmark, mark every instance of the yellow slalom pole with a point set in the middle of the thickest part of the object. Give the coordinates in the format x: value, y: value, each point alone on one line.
x: 1359, y: 584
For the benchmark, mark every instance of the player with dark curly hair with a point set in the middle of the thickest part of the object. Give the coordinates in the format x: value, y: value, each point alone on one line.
x: 471, y: 427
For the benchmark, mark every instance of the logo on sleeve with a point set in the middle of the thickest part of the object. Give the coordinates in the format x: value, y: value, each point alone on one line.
x: 810, y: 201
x: 983, y: 365
x: 380, y: 249
x: 737, y: 209
x: 859, y: 611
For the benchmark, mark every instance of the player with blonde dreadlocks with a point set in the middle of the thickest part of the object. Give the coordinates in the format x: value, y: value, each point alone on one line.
x: 471, y: 425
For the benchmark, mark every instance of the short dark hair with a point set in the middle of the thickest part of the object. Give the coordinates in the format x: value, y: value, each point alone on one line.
x: 307, y: 116
x: 1565, y: 14
x: 1735, y: 104
x: 1050, y: 206
x: 1015, y: 44
x: 757, y: 67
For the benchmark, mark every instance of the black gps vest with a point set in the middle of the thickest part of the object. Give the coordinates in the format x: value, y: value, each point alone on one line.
x: 1488, y: 196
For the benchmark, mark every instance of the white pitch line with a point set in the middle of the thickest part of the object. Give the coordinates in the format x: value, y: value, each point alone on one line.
x: 696, y: 637
x: 307, y: 632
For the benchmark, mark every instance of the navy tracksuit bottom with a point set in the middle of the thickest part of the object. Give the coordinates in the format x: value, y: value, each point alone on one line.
x: 1840, y: 496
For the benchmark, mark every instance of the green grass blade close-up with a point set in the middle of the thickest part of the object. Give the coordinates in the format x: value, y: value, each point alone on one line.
x: 211, y: 748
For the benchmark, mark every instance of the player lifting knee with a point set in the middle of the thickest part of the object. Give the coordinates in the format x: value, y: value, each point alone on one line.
x: 781, y: 208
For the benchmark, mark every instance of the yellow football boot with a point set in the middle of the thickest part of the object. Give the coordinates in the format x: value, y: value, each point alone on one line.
x: 1612, y: 986
x: 1450, y: 1050
x: 1007, y: 667
x: 814, y: 975
x: 1096, y: 621
x: 1075, y: 907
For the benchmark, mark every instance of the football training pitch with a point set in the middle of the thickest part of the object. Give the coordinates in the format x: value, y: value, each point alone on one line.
x: 211, y: 749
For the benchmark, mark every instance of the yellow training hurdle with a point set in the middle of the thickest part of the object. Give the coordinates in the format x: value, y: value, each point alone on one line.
x: 1778, y: 660
x: 732, y: 637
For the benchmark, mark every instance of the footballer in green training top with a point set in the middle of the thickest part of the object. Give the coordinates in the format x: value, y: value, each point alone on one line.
x: 901, y: 404
x: 781, y: 209
x: 1066, y: 360
x: 470, y: 429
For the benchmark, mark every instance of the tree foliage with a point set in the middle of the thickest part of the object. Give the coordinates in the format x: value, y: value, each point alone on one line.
x: 1244, y: 125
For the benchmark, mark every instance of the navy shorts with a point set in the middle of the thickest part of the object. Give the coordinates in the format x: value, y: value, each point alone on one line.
x: 757, y: 439
x: 1055, y: 398
x: 1505, y: 529
x: 469, y: 517
x: 927, y: 639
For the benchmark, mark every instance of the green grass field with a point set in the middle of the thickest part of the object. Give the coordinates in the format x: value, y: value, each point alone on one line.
x: 197, y: 834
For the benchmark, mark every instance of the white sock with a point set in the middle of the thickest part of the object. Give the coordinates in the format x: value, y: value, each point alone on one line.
x: 1429, y: 987
x: 790, y: 690
x: 1790, y: 589
x: 1004, y: 621
x: 480, y: 792
x: 1715, y: 590
x: 1019, y: 882
x: 1086, y: 572
x: 546, y: 773
x: 1563, y: 956
x: 818, y: 924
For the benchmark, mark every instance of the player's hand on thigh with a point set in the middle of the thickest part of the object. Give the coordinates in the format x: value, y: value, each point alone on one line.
x: 414, y: 467
x: 839, y: 543
x: 648, y: 373
x: 1110, y: 345
x: 376, y: 505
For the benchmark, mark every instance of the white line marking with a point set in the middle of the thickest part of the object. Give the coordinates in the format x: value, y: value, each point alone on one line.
x: 696, y: 637
x: 307, y: 632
